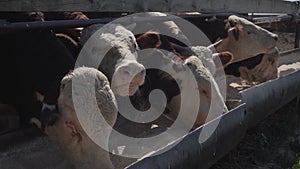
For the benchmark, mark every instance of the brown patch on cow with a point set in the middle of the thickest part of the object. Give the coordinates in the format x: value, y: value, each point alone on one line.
x: 152, y: 39
x: 149, y: 40
x: 225, y: 58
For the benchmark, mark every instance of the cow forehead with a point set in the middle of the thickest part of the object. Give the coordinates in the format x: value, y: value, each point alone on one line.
x: 118, y: 39
x: 240, y: 20
x: 247, y: 25
x: 109, y: 35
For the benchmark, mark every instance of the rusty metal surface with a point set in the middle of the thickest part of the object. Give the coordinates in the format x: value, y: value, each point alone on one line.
x: 189, y: 153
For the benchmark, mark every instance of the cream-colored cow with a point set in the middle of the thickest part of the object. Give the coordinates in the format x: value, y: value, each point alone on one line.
x: 254, y: 50
x: 245, y: 39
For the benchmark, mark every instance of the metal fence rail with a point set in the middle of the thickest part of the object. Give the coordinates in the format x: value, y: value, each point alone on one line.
x: 84, y: 23
x: 270, y: 6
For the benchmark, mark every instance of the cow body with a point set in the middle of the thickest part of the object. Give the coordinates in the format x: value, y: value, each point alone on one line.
x: 32, y: 61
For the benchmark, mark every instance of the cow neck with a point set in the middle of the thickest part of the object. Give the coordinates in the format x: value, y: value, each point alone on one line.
x: 222, y: 45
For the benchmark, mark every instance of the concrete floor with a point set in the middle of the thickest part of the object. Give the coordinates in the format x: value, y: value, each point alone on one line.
x: 35, y: 153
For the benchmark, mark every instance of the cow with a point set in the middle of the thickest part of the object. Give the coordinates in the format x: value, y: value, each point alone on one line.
x: 116, y: 46
x: 213, y: 26
x: 119, y: 75
x: 32, y: 61
x: 152, y: 39
x: 68, y: 132
x: 243, y: 39
x: 169, y: 28
x: 39, y: 59
x: 246, y: 39
x: 233, y: 31
x: 174, y: 62
x: 255, y: 54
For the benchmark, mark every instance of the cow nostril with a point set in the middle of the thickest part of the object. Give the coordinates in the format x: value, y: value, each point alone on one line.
x: 142, y: 73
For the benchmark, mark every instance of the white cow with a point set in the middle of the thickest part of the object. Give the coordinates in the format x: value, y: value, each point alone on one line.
x: 68, y: 132
x: 113, y: 50
x: 177, y: 66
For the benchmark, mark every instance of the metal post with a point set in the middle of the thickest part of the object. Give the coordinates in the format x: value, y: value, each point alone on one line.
x: 297, y: 103
x: 297, y: 36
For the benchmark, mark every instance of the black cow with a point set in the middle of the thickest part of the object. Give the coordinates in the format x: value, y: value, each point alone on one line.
x: 32, y: 61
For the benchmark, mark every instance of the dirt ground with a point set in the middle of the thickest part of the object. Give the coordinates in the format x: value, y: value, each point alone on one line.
x: 285, y: 41
x: 273, y: 144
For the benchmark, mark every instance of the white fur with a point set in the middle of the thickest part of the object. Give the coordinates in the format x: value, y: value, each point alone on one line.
x: 121, y: 67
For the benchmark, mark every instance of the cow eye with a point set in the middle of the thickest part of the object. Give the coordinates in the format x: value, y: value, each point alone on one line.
x: 249, y: 33
x: 133, y: 41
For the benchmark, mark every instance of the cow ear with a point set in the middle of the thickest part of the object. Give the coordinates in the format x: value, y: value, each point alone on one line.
x: 225, y: 58
x: 149, y: 40
x: 131, y: 26
x: 73, y: 131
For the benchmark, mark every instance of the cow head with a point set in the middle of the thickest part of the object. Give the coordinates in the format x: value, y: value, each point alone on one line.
x: 245, y: 39
x: 77, y: 92
x: 153, y: 39
x: 211, y: 104
x: 210, y: 96
x: 117, y: 46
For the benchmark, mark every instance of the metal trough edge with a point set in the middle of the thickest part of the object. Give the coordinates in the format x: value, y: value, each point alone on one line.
x: 265, y: 99
x: 289, y: 57
x: 259, y: 102
x: 190, y: 153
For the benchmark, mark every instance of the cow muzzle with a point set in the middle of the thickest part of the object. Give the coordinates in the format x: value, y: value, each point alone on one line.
x: 127, y: 78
